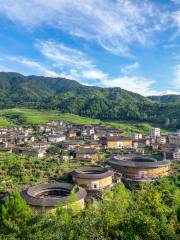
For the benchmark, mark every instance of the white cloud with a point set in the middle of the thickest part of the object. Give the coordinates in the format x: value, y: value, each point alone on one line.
x: 114, y: 24
x: 176, y: 1
x: 34, y: 66
x: 176, y: 17
x: 130, y: 68
x: 169, y: 92
x: 74, y: 64
x: 170, y: 46
x: 62, y: 55
x: 136, y: 84
x: 94, y: 74
x: 177, y: 77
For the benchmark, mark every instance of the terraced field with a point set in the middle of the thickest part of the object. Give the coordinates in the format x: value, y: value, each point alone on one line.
x: 31, y: 116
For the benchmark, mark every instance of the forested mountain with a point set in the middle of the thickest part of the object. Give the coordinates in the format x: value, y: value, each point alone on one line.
x: 70, y: 96
x: 172, y: 98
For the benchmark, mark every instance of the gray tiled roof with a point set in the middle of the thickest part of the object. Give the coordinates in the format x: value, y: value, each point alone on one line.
x: 137, y: 162
x: 31, y: 194
x: 117, y: 138
x: 87, y: 150
x: 92, y: 173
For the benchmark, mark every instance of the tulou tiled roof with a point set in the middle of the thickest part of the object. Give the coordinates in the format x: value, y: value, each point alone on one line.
x: 87, y: 150
x: 42, y: 195
x: 137, y: 162
x: 92, y: 173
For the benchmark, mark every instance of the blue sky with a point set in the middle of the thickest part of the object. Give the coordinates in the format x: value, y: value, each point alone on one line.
x: 132, y: 44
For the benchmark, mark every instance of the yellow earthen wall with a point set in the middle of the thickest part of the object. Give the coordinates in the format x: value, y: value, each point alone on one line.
x: 114, y: 144
x: 77, y: 204
x: 149, y: 172
x: 86, y: 183
x: 91, y: 157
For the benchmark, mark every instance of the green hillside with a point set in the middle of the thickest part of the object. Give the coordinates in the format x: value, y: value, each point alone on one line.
x: 68, y: 96
x: 172, y: 98
x: 10, y: 117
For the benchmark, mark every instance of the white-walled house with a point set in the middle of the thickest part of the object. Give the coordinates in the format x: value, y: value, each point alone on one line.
x: 56, y: 138
x: 155, y: 132
x: 137, y: 136
x: 161, y: 139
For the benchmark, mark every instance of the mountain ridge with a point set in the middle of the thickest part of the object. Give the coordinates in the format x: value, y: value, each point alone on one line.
x: 66, y: 95
x: 167, y: 98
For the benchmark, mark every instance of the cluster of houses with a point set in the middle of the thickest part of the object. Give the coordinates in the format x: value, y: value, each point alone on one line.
x: 85, y: 141
x: 89, y: 183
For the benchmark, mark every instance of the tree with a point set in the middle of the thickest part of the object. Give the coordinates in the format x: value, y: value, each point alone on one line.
x: 53, y: 150
x: 167, y: 122
x: 174, y: 123
x: 14, y: 214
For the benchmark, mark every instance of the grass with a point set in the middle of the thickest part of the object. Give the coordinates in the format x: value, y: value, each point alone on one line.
x: 4, y: 122
x: 41, y: 117
x: 20, y: 171
x: 133, y: 127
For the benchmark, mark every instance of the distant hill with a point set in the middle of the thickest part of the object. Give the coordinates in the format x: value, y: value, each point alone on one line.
x: 69, y: 96
x: 172, y: 98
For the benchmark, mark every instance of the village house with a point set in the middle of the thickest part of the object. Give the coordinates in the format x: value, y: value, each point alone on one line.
x: 174, y: 139
x: 41, y: 145
x: 91, y: 131
x: 139, y: 169
x: 146, y: 141
x: 45, y: 128
x: 21, y: 139
x: 54, y: 131
x: 99, y: 134
x: 137, y: 136
x: 30, y: 151
x: 93, y: 144
x: 154, y: 146
x: 5, y: 147
x: 99, y: 127
x: 28, y: 131
x: 56, y: 138
x: 72, y: 144
x: 57, y: 123
x: 84, y: 132
x: 161, y: 139
x: 113, y: 132
x: 176, y: 154
x: 87, y: 154
x: 40, y: 153
x: 8, y: 135
x: 7, y: 139
x: 87, y: 131
x: 3, y: 131
x: 93, y: 178
x: 47, y: 196
x: 139, y: 151
x: 135, y: 143
x: 171, y: 152
x: 118, y: 142
x: 71, y: 133
x: 11, y: 130
x: 155, y: 132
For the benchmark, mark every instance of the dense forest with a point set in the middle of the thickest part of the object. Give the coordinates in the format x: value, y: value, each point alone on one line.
x: 149, y: 213
x: 69, y: 96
